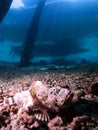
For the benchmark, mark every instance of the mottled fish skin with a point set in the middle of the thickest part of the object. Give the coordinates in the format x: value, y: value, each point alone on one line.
x: 53, y: 98
x: 44, y: 98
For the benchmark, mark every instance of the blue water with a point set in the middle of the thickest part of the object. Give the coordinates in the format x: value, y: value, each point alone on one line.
x: 68, y: 30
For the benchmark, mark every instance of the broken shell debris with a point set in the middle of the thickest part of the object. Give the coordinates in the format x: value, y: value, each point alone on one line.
x: 49, y: 101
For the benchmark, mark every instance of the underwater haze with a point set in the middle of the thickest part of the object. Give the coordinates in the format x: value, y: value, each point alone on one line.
x: 66, y: 31
x: 48, y: 64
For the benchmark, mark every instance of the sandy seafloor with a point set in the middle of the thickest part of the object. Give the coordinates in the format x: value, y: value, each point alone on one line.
x: 81, y: 114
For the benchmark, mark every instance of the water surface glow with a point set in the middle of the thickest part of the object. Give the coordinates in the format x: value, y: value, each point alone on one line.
x: 17, y: 4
